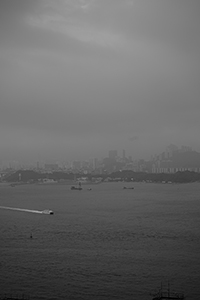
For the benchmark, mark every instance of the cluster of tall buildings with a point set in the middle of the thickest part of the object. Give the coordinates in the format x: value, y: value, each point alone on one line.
x: 174, y: 159
x: 171, y: 160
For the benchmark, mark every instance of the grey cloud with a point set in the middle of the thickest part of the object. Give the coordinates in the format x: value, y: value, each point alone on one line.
x: 123, y: 70
x: 173, y: 23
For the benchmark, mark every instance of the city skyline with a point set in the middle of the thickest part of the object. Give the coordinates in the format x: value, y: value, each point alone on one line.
x: 115, y: 155
x: 81, y: 77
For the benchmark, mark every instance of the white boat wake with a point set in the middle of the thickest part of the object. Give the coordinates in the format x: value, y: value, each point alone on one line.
x: 46, y: 211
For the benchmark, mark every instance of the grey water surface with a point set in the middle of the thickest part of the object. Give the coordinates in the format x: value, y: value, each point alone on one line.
x: 104, y: 243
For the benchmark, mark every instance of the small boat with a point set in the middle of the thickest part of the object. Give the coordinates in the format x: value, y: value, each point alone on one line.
x: 128, y: 188
x: 48, y: 212
x: 78, y: 188
x: 167, y: 295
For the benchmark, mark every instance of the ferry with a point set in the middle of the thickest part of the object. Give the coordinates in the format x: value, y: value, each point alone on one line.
x: 48, y: 212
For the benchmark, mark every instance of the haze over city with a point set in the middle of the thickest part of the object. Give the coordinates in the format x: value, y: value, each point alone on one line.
x: 81, y: 77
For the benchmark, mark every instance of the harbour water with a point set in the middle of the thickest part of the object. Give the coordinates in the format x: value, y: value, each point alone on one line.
x: 104, y: 243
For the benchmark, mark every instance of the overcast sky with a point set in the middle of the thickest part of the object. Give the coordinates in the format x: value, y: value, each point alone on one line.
x: 81, y: 77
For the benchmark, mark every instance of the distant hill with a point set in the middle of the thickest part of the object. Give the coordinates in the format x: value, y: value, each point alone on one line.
x: 178, y: 177
x: 29, y: 175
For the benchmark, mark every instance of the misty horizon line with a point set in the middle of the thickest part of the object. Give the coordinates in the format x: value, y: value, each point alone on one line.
x: 120, y: 154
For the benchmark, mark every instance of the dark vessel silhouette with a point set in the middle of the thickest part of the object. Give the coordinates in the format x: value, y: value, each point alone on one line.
x: 128, y: 188
x: 79, y: 188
